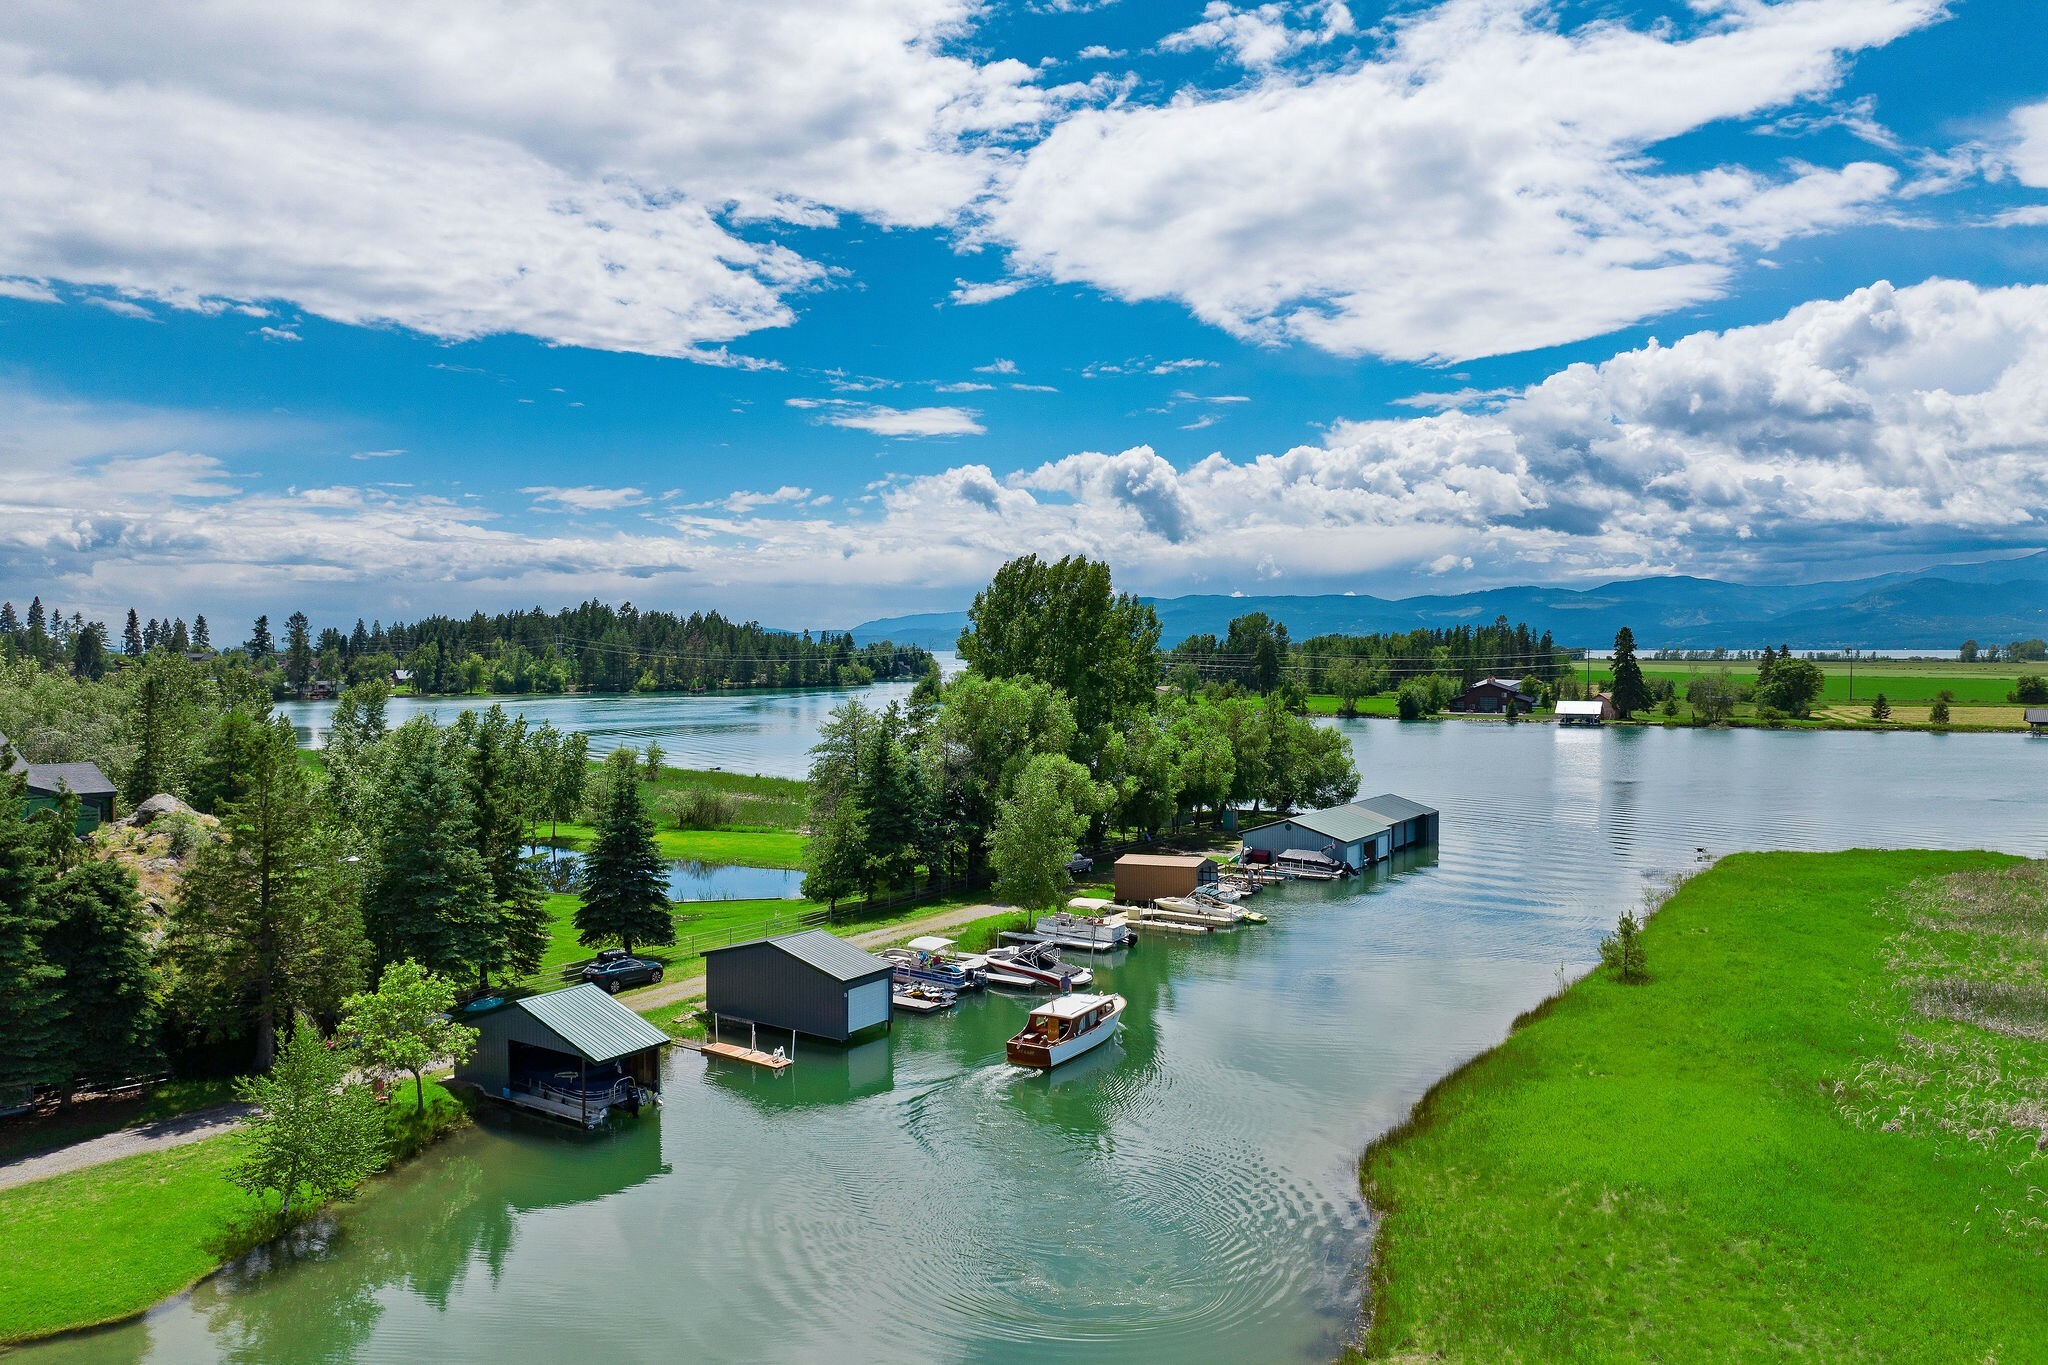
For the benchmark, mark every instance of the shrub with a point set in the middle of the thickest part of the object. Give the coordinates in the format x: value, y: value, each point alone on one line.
x: 1621, y: 952
x: 1938, y: 713
x: 698, y: 807
x: 1413, y: 702
x: 2031, y: 690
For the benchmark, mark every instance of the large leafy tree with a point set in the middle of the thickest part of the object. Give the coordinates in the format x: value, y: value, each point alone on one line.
x: 430, y: 897
x: 1036, y: 828
x: 1792, y: 686
x: 625, y: 887
x: 404, y: 1024
x: 1631, y: 692
x: 311, y: 1130
x: 987, y: 729
x: 98, y: 936
x: 268, y: 921
x: 1063, y: 624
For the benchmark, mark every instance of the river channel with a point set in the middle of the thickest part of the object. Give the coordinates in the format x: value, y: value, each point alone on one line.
x: 1188, y: 1193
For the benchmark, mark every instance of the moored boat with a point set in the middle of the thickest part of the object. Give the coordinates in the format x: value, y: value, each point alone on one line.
x: 1094, y: 933
x: 1061, y: 1030
x: 1035, y: 966
x: 920, y: 961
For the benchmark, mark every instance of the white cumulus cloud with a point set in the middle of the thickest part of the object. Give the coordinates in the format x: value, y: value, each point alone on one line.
x: 1478, y: 184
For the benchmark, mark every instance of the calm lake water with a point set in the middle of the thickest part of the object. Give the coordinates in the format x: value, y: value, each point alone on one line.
x: 769, y: 733
x: 1188, y: 1193
x: 690, y: 880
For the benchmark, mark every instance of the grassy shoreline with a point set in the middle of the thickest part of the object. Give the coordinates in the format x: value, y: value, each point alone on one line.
x: 108, y: 1243
x: 1665, y: 1171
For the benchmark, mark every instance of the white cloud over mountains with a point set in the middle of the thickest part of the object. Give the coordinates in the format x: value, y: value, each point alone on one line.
x: 1886, y: 423
x: 1472, y: 180
x: 1478, y: 186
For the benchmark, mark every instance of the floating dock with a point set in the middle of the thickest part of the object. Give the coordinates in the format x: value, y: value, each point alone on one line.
x: 733, y: 1052
x: 918, y: 1004
x: 1168, y: 926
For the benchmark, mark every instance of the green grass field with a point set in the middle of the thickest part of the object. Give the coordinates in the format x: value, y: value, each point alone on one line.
x: 1899, y: 680
x: 105, y: 1243
x: 1667, y: 1171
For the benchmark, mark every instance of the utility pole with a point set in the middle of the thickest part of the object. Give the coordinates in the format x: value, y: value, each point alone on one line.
x: 1852, y: 675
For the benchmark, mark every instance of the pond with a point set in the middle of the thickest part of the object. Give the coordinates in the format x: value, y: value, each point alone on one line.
x: 1189, y: 1192
x: 690, y: 880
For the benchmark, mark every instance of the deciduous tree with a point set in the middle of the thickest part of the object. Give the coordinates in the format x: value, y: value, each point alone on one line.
x: 1036, y: 829
x: 310, y: 1129
x: 404, y: 1025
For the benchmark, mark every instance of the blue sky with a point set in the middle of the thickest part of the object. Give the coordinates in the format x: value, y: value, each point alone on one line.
x: 820, y: 312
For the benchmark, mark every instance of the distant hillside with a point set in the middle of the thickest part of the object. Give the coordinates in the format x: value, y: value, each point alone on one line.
x: 1932, y: 609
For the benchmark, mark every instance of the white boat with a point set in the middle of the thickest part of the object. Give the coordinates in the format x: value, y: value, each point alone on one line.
x: 1208, y: 910
x: 921, y: 961
x: 1035, y: 966
x: 1061, y: 1030
x: 1093, y: 933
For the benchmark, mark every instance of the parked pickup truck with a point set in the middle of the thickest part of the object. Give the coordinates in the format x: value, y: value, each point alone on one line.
x: 615, y: 971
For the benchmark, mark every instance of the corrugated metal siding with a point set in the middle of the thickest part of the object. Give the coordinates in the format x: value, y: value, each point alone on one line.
x: 489, y: 1068
x: 764, y: 983
x: 1141, y: 880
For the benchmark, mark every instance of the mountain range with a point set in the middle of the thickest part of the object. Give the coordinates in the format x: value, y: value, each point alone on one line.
x: 1935, y: 608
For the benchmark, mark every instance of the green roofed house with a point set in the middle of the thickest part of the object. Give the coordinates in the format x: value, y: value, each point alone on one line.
x: 47, y: 783
x: 575, y: 1054
x: 1356, y: 834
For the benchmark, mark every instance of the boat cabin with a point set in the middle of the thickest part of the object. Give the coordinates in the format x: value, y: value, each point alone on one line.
x: 574, y: 1054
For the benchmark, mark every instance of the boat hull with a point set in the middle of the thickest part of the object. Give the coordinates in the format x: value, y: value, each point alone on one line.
x: 1046, y: 1056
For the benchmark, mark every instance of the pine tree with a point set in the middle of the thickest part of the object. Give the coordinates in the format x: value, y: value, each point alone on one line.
x: 181, y: 639
x: 430, y: 899
x: 31, y: 987
x: 35, y: 615
x: 89, y: 653
x: 298, y: 650
x: 1881, y: 709
x: 10, y: 624
x: 625, y: 889
x: 98, y: 937
x: 131, y: 636
x: 200, y: 639
x: 1631, y: 692
x: 499, y: 794
x: 260, y: 645
x: 267, y: 922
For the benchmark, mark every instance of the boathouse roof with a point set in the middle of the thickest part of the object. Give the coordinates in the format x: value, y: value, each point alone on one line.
x: 597, y: 1026
x: 827, y: 952
x: 1394, y: 808
x: 1344, y: 824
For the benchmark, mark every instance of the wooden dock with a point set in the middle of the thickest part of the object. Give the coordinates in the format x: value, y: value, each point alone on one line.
x: 1167, y: 926
x: 733, y: 1052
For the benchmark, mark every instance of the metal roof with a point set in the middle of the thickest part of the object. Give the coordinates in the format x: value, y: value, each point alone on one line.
x: 1345, y: 824
x: 85, y: 779
x: 1163, y: 860
x: 827, y: 952
x: 1395, y: 808
x: 1580, y: 708
x: 2037, y: 715
x: 595, y: 1024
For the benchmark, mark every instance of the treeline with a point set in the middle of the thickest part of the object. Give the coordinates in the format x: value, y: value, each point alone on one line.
x: 1057, y: 732
x: 592, y: 647
x: 1257, y: 656
x: 407, y: 845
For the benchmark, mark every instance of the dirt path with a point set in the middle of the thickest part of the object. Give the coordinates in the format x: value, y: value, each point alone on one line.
x: 196, y: 1126
x: 673, y: 992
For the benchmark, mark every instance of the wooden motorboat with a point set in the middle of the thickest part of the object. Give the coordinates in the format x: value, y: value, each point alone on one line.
x: 1061, y: 1030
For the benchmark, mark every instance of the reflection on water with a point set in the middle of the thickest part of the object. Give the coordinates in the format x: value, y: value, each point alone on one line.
x: 688, y: 879
x: 1187, y: 1193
